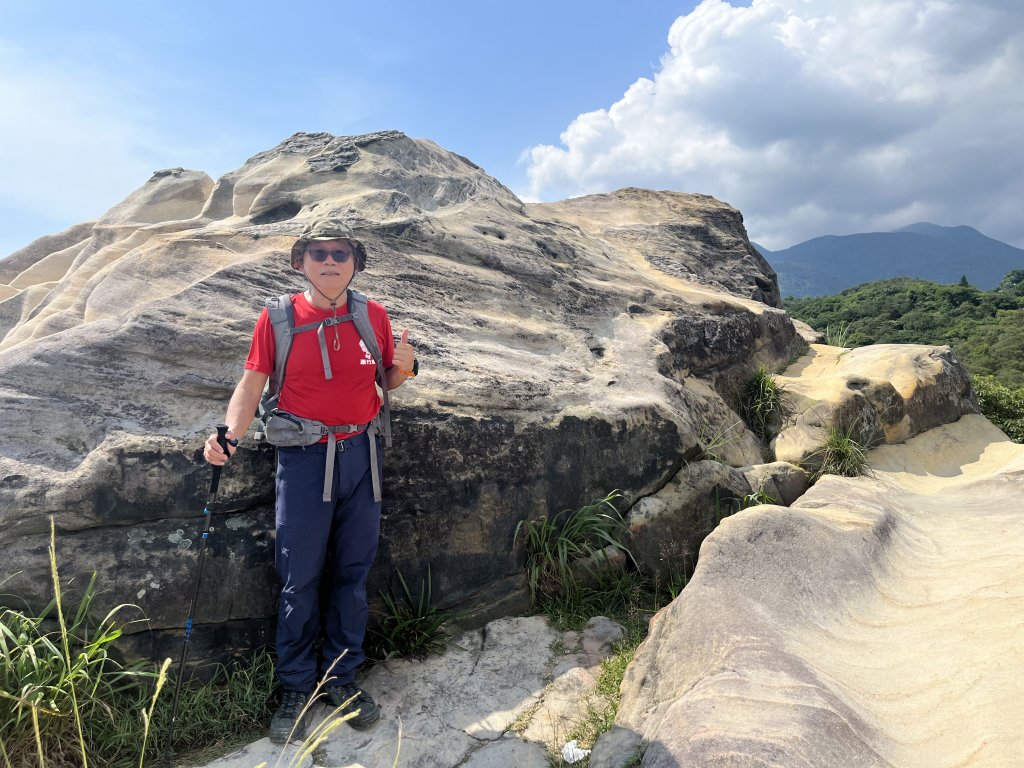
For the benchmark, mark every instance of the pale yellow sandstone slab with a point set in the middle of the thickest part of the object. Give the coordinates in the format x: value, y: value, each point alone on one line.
x: 880, y: 621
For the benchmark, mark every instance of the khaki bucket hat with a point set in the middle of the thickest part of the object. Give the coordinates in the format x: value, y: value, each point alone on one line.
x: 328, y: 229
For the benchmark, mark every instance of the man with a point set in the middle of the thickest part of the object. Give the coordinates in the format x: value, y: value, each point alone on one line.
x: 328, y: 512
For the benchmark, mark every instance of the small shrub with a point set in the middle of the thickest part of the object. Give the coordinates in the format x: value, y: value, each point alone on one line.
x: 1001, y: 405
x: 411, y: 626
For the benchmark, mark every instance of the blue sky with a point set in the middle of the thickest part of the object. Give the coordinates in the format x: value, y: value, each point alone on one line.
x: 818, y: 117
x: 148, y: 85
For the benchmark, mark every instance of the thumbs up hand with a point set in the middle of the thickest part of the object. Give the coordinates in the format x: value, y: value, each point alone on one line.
x: 405, y: 355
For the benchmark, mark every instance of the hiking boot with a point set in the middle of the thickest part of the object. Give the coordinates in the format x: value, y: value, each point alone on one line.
x: 286, y: 724
x: 352, y: 699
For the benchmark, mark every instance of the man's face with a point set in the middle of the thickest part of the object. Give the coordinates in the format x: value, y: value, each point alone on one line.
x: 329, y: 265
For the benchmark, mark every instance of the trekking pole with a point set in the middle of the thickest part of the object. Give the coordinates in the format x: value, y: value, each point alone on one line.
x: 222, y: 440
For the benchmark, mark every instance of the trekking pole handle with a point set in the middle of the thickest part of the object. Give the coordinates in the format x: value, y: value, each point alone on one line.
x: 222, y: 441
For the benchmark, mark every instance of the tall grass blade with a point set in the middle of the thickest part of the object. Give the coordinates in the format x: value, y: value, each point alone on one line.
x: 64, y: 638
x: 147, y: 716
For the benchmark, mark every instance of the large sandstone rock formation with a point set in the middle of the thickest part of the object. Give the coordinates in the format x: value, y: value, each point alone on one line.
x: 567, y: 349
x: 877, y: 622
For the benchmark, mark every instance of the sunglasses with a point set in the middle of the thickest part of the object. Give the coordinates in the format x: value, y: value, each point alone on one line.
x: 320, y: 255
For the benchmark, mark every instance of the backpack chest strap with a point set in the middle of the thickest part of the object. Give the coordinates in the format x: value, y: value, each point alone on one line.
x: 322, y: 338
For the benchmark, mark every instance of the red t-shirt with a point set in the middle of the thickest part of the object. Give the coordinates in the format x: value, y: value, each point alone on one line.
x: 350, y: 397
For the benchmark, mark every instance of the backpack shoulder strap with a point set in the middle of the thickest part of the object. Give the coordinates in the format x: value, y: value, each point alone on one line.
x: 358, y: 308
x: 281, y: 314
x: 282, y: 320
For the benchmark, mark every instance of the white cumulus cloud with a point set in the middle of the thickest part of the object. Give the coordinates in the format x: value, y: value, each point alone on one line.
x: 819, y: 117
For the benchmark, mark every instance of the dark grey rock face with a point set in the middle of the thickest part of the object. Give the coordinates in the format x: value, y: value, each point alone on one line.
x: 567, y: 349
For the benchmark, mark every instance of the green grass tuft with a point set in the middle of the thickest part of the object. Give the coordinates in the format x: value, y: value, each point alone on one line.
x: 838, y: 334
x: 554, y: 545
x: 603, y: 703
x: 713, y: 440
x: 411, y: 626
x: 759, y: 402
x: 843, y: 453
x: 55, y: 684
x: 64, y: 699
x: 623, y: 595
x: 232, y: 708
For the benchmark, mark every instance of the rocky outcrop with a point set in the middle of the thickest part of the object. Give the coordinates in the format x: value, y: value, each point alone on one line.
x: 653, y: 225
x: 874, y: 623
x: 567, y: 349
x: 879, y: 394
x: 666, y: 528
x: 883, y: 393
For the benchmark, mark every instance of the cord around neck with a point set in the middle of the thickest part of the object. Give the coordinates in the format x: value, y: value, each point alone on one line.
x: 334, y: 301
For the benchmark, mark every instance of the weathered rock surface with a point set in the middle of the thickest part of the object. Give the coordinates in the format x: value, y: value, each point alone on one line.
x: 877, y: 622
x: 468, y: 706
x: 780, y: 481
x: 667, y: 528
x: 567, y: 698
x: 654, y: 224
x: 567, y: 348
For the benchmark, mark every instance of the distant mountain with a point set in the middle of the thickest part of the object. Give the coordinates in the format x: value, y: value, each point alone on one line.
x: 829, y: 264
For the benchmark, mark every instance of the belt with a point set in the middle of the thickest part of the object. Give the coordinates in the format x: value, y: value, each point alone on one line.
x: 332, y: 447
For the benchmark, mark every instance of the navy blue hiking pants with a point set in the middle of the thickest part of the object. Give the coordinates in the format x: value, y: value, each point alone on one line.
x: 324, y: 553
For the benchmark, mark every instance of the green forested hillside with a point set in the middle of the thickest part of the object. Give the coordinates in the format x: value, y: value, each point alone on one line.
x: 985, y: 328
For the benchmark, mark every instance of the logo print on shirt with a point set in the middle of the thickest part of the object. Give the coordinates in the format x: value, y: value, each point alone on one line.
x: 367, y: 357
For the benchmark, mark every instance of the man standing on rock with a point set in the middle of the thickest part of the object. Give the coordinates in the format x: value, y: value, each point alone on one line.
x: 328, y: 486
